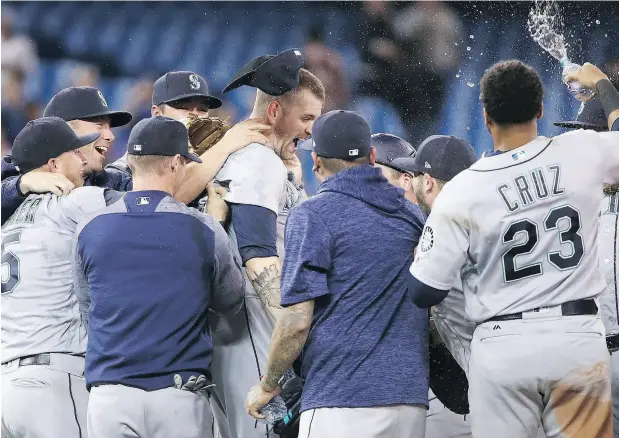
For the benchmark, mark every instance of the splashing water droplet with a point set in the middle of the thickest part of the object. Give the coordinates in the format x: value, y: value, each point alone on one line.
x: 471, y: 37
x: 457, y: 75
x: 597, y: 21
x: 545, y: 25
x: 470, y: 84
x: 468, y: 48
x: 455, y: 44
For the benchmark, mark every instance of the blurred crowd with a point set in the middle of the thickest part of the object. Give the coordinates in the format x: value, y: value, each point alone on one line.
x: 392, y: 40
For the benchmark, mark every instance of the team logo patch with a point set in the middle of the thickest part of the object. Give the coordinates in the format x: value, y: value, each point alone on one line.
x: 142, y: 200
x: 518, y: 155
x: 427, y: 239
x: 194, y: 82
x: 103, y: 101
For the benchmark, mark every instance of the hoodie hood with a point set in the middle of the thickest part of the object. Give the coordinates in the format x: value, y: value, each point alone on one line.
x: 367, y: 184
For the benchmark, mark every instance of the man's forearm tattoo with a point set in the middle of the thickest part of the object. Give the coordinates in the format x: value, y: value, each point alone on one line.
x: 287, y: 341
x: 266, y: 285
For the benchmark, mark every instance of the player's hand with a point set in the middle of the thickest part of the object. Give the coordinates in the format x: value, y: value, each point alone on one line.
x: 45, y: 182
x: 587, y: 76
x: 257, y: 398
x: 294, y: 165
x: 215, y: 204
x: 244, y: 133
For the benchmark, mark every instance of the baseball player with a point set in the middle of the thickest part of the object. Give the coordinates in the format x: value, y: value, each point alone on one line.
x: 87, y: 111
x: 147, y: 269
x: 438, y: 159
x: 591, y: 115
x: 288, y: 99
x: 390, y: 148
x: 522, y: 230
x: 43, y: 338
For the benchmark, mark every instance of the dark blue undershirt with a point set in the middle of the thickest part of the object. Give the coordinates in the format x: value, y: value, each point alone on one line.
x: 256, y: 231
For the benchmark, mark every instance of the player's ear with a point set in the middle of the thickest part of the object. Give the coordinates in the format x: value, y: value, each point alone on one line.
x: 316, y: 162
x: 541, y: 112
x: 486, y: 120
x: 407, y: 181
x: 274, y: 111
x: 372, y: 155
x: 52, y: 165
x: 155, y: 111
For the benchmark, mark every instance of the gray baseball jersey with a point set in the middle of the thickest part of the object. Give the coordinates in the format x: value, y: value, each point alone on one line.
x: 510, y: 218
x: 609, y: 251
x: 254, y: 175
x: 39, y: 310
x: 294, y: 195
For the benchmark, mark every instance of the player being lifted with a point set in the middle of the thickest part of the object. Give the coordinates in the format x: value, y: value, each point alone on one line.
x: 522, y: 225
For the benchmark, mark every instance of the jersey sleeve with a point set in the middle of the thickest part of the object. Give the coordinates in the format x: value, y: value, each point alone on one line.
x: 82, y: 202
x: 307, y: 258
x: 444, y: 243
x: 80, y: 281
x: 256, y: 176
x: 229, y: 281
x: 609, y: 149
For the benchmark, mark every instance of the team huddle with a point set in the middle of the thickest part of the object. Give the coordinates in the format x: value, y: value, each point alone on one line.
x: 175, y: 291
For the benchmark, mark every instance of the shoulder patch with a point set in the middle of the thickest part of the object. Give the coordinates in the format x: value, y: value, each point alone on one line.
x: 427, y: 239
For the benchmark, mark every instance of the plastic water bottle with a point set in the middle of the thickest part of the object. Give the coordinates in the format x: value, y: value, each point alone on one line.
x: 574, y: 87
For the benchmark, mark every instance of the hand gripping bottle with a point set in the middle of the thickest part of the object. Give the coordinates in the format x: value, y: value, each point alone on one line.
x: 574, y: 87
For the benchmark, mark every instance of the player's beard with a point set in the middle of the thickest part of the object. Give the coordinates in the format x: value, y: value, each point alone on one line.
x: 421, y: 199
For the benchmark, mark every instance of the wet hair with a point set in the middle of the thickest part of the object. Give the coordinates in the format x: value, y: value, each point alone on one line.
x: 335, y: 165
x: 307, y: 81
x: 512, y: 93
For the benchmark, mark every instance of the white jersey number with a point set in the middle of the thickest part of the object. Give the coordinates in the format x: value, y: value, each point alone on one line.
x: 10, y: 262
x: 571, y: 235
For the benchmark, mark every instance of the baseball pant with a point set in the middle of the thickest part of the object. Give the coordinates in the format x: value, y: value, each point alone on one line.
x: 123, y: 411
x: 614, y: 362
x: 44, y: 400
x: 543, y: 369
x: 442, y: 423
x: 239, y: 358
x: 403, y: 421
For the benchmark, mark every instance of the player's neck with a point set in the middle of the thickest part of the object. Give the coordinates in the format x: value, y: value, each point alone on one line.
x: 153, y: 182
x: 508, y: 138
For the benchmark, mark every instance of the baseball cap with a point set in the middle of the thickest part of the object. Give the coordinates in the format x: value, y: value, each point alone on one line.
x: 78, y: 103
x: 43, y: 139
x: 340, y: 134
x: 441, y: 156
x: 389, y: 147
x: 160, y: 136
x: 177, y: 85
x: 591, y: 115
x: 273, y: 74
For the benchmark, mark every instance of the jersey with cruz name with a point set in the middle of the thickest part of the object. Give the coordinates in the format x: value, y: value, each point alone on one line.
x: 523, y: 226
x: 39, y: 309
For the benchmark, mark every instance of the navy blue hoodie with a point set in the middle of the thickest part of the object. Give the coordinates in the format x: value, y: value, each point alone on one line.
x: 349, y: 249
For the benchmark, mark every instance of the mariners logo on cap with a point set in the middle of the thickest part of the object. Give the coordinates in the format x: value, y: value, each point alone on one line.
x: 427, y: 239
x: 194, y: 81
x: 103, y: 101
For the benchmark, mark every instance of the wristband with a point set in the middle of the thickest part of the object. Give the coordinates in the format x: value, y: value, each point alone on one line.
x: 608, y: 96
x: 19, y: 192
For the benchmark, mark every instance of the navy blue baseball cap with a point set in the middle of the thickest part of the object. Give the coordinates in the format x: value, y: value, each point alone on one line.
x: 340, y: 134
x: 440, y: 156
x: 273, y: 74
x: 81, y: 103
x: 178, y: 85
x: 160, y: 136
x: 591, y: 115
x: 389, y: 147
x: 43, y: 139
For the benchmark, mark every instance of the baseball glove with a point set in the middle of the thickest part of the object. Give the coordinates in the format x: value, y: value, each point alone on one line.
x: 205, y: 132
x: 447, y: 380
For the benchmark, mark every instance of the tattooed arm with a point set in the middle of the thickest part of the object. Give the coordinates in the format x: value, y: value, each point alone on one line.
x: 289, y: 337
x: 287, y: 342
x: 265, y: 275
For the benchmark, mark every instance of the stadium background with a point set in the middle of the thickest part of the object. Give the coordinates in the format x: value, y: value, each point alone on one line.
x: 410, y: 68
